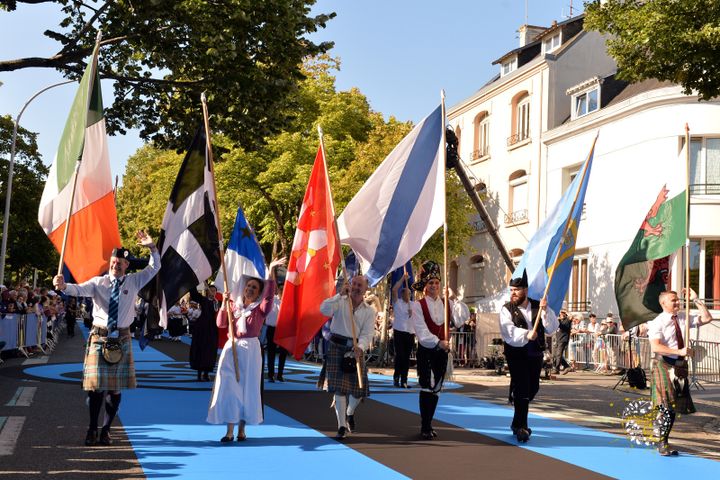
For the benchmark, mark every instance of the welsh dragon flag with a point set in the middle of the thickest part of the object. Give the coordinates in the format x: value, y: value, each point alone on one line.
x: 643, y: 272
x: 93, y: 225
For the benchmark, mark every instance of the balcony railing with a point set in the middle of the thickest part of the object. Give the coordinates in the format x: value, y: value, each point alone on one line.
x: 479, y: 226
x: 705, y: 189
x: 481, y: 152
x: 577, y: 306
x: 517, y: 138
x: 516, y: 217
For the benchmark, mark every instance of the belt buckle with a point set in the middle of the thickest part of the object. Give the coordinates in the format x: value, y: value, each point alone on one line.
x: 114, y: 334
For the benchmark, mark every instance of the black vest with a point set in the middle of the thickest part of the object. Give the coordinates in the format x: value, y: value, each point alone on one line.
x: 519, y: 320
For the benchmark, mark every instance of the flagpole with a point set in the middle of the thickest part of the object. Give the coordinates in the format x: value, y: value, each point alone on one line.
x: 358, y: 366
x: 565, y: 231
x: 687, y: 235
x: 445, y: 228
x: 211, y: 162
x: 91, y: 86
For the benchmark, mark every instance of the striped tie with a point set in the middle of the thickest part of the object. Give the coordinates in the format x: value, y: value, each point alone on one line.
x: 113, y: 308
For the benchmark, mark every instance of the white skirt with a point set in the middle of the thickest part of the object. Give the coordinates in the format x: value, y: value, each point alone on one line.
x: 234, y: 401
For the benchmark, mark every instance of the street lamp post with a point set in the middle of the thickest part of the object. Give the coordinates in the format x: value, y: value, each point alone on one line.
x: 6, y: 218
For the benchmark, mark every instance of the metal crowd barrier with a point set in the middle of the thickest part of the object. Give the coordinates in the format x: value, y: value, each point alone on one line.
x: 706, y: 367
x: 23, y: 331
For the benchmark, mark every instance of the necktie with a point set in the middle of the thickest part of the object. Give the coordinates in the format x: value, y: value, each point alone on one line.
x: 678, y: 332
x: 113, y: 307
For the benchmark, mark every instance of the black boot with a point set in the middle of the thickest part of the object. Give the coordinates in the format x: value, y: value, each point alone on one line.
x: 427, y: 408
x: 91, y: 437
x: 105, y: 438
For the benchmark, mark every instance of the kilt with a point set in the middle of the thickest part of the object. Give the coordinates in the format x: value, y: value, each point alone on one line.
x: 339, y: 381
x: 662, y: 389
x: 100, y: 375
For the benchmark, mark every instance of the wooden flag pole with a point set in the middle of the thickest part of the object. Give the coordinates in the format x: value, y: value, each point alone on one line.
x: 91, y: 86
x: 211, y: 162
x: 445, y: 227
x: 358, y: 365
x: 564, y: 236
x: 687, y: 236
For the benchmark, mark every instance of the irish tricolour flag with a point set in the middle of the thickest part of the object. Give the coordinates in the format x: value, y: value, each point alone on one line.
x: 643, y: 272
x: 93, y: 229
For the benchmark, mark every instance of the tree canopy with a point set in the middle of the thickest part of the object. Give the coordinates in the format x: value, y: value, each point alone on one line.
x: 162, y: 54
x: 270, y: 182
x: 676, y: 41
x: 27, y: 244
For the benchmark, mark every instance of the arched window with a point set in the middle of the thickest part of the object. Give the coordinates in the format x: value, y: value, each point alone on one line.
x: 520, y: 127
x: 517, y: 198
x: 481, y: 142
x: 458, y: 134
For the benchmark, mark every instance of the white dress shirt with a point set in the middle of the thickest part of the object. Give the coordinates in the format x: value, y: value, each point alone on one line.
x: 403, y: 316
x: 99, y: 289
x: 516, y: 336
x: 662, y: 328
x: 338, y: 308
x: 459, y: 311
x: 272, y: 318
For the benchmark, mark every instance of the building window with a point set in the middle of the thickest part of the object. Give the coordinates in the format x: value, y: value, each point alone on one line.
x: 482, y: 136
x: 518, y: 199
x: 551, y: 43
x: 705, y: 166
x: 705, y: 270
x: 576, y: 299
x: 521, y: 119
x: 508, y: 66
x: 569, y: 177
x: 586, y: 102
x: 458, y: 134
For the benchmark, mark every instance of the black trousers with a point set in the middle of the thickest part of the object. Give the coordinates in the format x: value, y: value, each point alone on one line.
x: 70, y: 322
x: 558, y: 354
x: 403, y: 342
x: 431, y: 368
x: 525, y: 382
x: 273, y: 349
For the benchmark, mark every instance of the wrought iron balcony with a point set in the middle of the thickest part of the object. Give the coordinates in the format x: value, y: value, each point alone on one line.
x: 481, y: 152
x: 705, y: 189
x: 517, y: 138
x: 516, y: 217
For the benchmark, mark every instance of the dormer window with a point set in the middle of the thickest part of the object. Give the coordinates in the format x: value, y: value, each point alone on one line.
x: 508, y: 66
x: 585, y: 97
x: 551, y: 43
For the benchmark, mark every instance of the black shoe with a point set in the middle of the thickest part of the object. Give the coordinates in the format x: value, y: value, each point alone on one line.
x: 226, y: 439
x: 665, y: 450
x: 241, y: 437
x: 342, y: 433
x: 105, y: 438
x: 350, y: 419
x: 280, y: 379
x: 426, y: 435
x: 91, y: 437
x: 514, y: 429
x: 405, y: 385
x: 396, y: 384
x: 271, y: 379
x: 433, y: 433
x: 206, y: 377
x: 523, y: 435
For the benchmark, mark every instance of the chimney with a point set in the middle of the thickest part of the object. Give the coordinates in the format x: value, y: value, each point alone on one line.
x: 528, y: 33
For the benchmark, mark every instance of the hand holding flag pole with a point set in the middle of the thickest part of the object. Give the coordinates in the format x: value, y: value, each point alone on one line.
x: 226, y: 304
x: 358, y: 363
x: 91, y: 80
x: 558, y: 251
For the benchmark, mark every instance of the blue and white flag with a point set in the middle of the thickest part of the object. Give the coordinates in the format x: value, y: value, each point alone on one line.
x: 243, y: 258
x: 542, y: 251
x: 402, y: 203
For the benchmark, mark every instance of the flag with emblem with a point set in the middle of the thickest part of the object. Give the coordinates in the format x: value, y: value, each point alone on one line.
x: 549, y: 255
x: 93, y: 228
x: 188, y: 243
x: 311, y: 269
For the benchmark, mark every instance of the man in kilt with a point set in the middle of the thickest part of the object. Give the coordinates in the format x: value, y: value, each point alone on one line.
x: 342, y: 378
x: 433, y: 346
x: 113, y: 312
x: 524, y: 349
x: 665, y: 333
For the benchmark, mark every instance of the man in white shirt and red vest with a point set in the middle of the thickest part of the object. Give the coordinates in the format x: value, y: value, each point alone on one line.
x: 433, y: 345
x: 524, y: 349
x: 665, y: 333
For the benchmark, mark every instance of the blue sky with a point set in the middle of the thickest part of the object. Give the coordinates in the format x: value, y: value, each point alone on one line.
x: 399, y: 53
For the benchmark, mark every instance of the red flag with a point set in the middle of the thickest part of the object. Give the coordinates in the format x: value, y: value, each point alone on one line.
x: 311, y: 270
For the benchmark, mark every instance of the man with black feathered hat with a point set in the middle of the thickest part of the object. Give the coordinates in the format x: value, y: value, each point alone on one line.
x: 433, y: 344
x: 524, y: 348
x: 113, y: 297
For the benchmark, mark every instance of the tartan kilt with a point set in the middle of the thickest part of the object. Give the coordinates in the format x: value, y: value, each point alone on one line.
x: 339, y: 381
x: 100, y: 375
x: 662, y: 390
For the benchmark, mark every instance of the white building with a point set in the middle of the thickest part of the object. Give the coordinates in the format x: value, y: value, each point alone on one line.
x: 526, y: 133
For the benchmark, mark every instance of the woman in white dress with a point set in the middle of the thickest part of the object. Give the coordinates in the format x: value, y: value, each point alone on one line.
x: 236, y: 402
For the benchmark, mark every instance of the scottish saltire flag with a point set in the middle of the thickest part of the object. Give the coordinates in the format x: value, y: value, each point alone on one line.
x: 402, y: 203
x: 242, y: 257
x: 553, y: 245
x: 93, y: 229
x: 188, y: 243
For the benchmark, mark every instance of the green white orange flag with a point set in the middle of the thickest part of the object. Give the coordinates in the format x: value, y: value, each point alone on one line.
x: 643, y: 272
x: 93, y: 229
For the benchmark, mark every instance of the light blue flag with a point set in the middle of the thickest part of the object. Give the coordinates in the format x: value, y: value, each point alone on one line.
x: 542, y: 251
x: 243, y: 257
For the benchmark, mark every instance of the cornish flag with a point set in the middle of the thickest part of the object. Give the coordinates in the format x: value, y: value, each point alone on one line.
x: 402, y: 203
x: 188, y: 244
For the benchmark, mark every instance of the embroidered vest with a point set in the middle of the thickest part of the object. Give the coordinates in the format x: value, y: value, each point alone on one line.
x: 519, y: 320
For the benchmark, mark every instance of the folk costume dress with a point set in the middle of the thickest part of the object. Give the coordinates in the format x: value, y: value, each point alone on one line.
x: 232, y: 400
